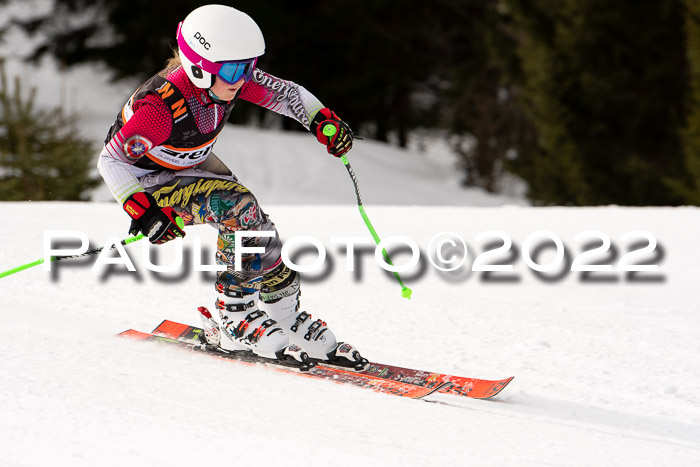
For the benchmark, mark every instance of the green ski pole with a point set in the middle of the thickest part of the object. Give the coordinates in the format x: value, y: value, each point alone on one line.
x: 330, y: 130
x: 9, y: 272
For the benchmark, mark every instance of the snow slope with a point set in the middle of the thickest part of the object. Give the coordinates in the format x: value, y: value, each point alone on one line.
x: 606, y: 372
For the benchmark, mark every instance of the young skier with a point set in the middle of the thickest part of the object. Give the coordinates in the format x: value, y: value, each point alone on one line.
x: 158, y: 162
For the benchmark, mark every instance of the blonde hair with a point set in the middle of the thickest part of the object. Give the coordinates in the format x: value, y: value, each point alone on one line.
x: 174, y: 61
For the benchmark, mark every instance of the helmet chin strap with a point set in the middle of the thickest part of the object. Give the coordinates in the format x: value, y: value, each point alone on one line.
x: 216, y: 98
x: 213, y: 96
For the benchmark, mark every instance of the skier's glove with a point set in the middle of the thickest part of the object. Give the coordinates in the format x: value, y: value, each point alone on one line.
x: 160, y: 225
x: 332, y: 131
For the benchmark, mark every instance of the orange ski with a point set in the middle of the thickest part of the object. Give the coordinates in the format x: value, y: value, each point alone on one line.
x: 461, y: 386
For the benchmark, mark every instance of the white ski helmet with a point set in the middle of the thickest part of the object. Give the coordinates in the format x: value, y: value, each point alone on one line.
x: 213, y: 34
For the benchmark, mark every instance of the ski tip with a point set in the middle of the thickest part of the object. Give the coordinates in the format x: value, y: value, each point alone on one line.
x: 134, y: 334
x: 497, y: 387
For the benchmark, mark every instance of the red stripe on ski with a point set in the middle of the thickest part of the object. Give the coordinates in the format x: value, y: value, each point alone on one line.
x: 172, y: 329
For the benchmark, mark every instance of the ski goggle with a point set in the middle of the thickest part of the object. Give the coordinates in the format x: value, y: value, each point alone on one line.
x: 229, y: 71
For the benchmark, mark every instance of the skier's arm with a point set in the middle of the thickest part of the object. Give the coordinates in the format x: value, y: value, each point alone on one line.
x: 292, y: 100
x: 150, y: 125
x: 284, y: 97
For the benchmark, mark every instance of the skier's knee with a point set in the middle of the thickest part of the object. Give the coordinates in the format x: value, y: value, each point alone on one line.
x: 241, y: 212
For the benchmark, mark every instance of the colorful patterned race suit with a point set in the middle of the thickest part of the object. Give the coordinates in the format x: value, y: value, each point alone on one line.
x: 162, y: 142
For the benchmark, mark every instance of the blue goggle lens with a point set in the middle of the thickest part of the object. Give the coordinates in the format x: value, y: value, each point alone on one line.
x: 231, y: 72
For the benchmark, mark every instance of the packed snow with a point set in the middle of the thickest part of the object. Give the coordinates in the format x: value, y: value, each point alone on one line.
x: 606, y: 372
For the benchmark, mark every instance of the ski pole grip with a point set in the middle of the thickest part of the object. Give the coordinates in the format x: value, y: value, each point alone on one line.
x: 329, y: 130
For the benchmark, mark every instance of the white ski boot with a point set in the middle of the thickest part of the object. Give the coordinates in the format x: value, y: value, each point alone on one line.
x: 212, y: 338
x: 279, y: 295
x: 245, y: 326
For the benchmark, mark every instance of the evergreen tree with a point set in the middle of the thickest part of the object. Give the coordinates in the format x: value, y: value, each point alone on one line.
x: 41, y: 155
x: 689, y: 186
x: 479, y: 102
x: 604, y: 84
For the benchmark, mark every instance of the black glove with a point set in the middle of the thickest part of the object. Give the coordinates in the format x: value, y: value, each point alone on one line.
x: 160, y: 225
x: 332, y: 131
